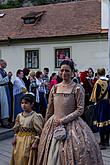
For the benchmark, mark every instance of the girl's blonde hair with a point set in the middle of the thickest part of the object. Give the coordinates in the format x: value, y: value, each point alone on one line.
x: 32, y: 74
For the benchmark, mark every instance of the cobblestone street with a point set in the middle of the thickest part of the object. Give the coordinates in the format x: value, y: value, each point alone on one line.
x: 6, y: 149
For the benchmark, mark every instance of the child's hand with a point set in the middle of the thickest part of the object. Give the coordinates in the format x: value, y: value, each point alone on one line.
x: 14, y: 140
x: 35, y: 144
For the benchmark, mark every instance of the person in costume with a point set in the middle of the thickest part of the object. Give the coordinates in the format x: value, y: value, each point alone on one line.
x: 19, y: 89
x: 27, y: 129
x: 25, y: 78
x: 88, y: 85
x: 45, y: 78
x: 34, y: 89
x: 42, y: 93
x: 5, y: 98
x: 66, y: 139
x: 76, y: 77
x: 101, y: 116
x: 53, y: 80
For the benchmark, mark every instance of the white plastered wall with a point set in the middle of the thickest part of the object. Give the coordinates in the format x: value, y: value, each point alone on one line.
x: 85, y: 54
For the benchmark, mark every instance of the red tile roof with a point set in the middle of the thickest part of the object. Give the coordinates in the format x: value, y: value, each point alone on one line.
x: 62, y: 19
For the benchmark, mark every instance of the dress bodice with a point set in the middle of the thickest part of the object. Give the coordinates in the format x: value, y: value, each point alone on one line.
x: 33, y: 121
x: 64, y: 100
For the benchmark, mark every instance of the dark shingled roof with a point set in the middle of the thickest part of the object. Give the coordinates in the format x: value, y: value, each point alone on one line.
x: 62, y: 19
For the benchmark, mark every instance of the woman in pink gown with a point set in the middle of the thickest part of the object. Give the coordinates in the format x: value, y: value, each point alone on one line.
x: 66, y: 139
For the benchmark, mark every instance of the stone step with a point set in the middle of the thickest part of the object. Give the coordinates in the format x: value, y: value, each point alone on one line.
x: 5, y: 133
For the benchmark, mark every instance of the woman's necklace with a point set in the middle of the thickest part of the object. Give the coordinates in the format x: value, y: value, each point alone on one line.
x: 66, y: 84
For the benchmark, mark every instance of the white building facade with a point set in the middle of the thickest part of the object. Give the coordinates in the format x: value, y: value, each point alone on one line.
x: 89, y: 51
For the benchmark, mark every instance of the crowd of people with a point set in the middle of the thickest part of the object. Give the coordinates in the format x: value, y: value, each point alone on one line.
x: 55, y: 117
x: 37, y: 83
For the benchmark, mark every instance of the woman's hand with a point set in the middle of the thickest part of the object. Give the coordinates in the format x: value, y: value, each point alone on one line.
x: 57, y: 122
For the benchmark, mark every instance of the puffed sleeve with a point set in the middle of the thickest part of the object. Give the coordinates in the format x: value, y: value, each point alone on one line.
x: 50, y: 108
x: 17, y: 124
x: 38, y: 123
x: 79, y: 99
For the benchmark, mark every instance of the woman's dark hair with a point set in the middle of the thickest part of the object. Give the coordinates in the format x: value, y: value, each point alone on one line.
x: 26, y: 71
x: 18, y: 72
x: 70, y: 63
x: 91, y: 71
x: 29, y: 98
x: 53, y: 74
x: 38, y: 73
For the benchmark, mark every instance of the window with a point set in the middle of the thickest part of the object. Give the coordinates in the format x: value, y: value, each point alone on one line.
x: 60, y: 55
x: 32, y: 59
x: 32, y: 17
x: 29, y: 21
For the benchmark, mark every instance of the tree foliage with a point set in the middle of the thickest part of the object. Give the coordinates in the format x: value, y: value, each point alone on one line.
x: 20, y: 3
x: 43, y: 2
x: 11, y: 4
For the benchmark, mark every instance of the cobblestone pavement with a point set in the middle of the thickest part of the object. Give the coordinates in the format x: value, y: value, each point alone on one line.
x: 6, y: 149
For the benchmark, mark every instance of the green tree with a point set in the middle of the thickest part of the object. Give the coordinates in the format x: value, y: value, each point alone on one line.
x: 43, y: 2
x: 19, y: 3
x: 11, y: 4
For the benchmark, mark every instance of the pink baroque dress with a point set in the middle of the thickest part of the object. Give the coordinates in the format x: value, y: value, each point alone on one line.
x: 79, y: 146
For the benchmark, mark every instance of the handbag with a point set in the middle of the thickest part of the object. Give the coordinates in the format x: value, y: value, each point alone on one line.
x: 60, y: 133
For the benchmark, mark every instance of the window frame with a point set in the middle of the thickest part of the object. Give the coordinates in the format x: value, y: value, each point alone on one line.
x: 57, y: 49
x: 26, y: 55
